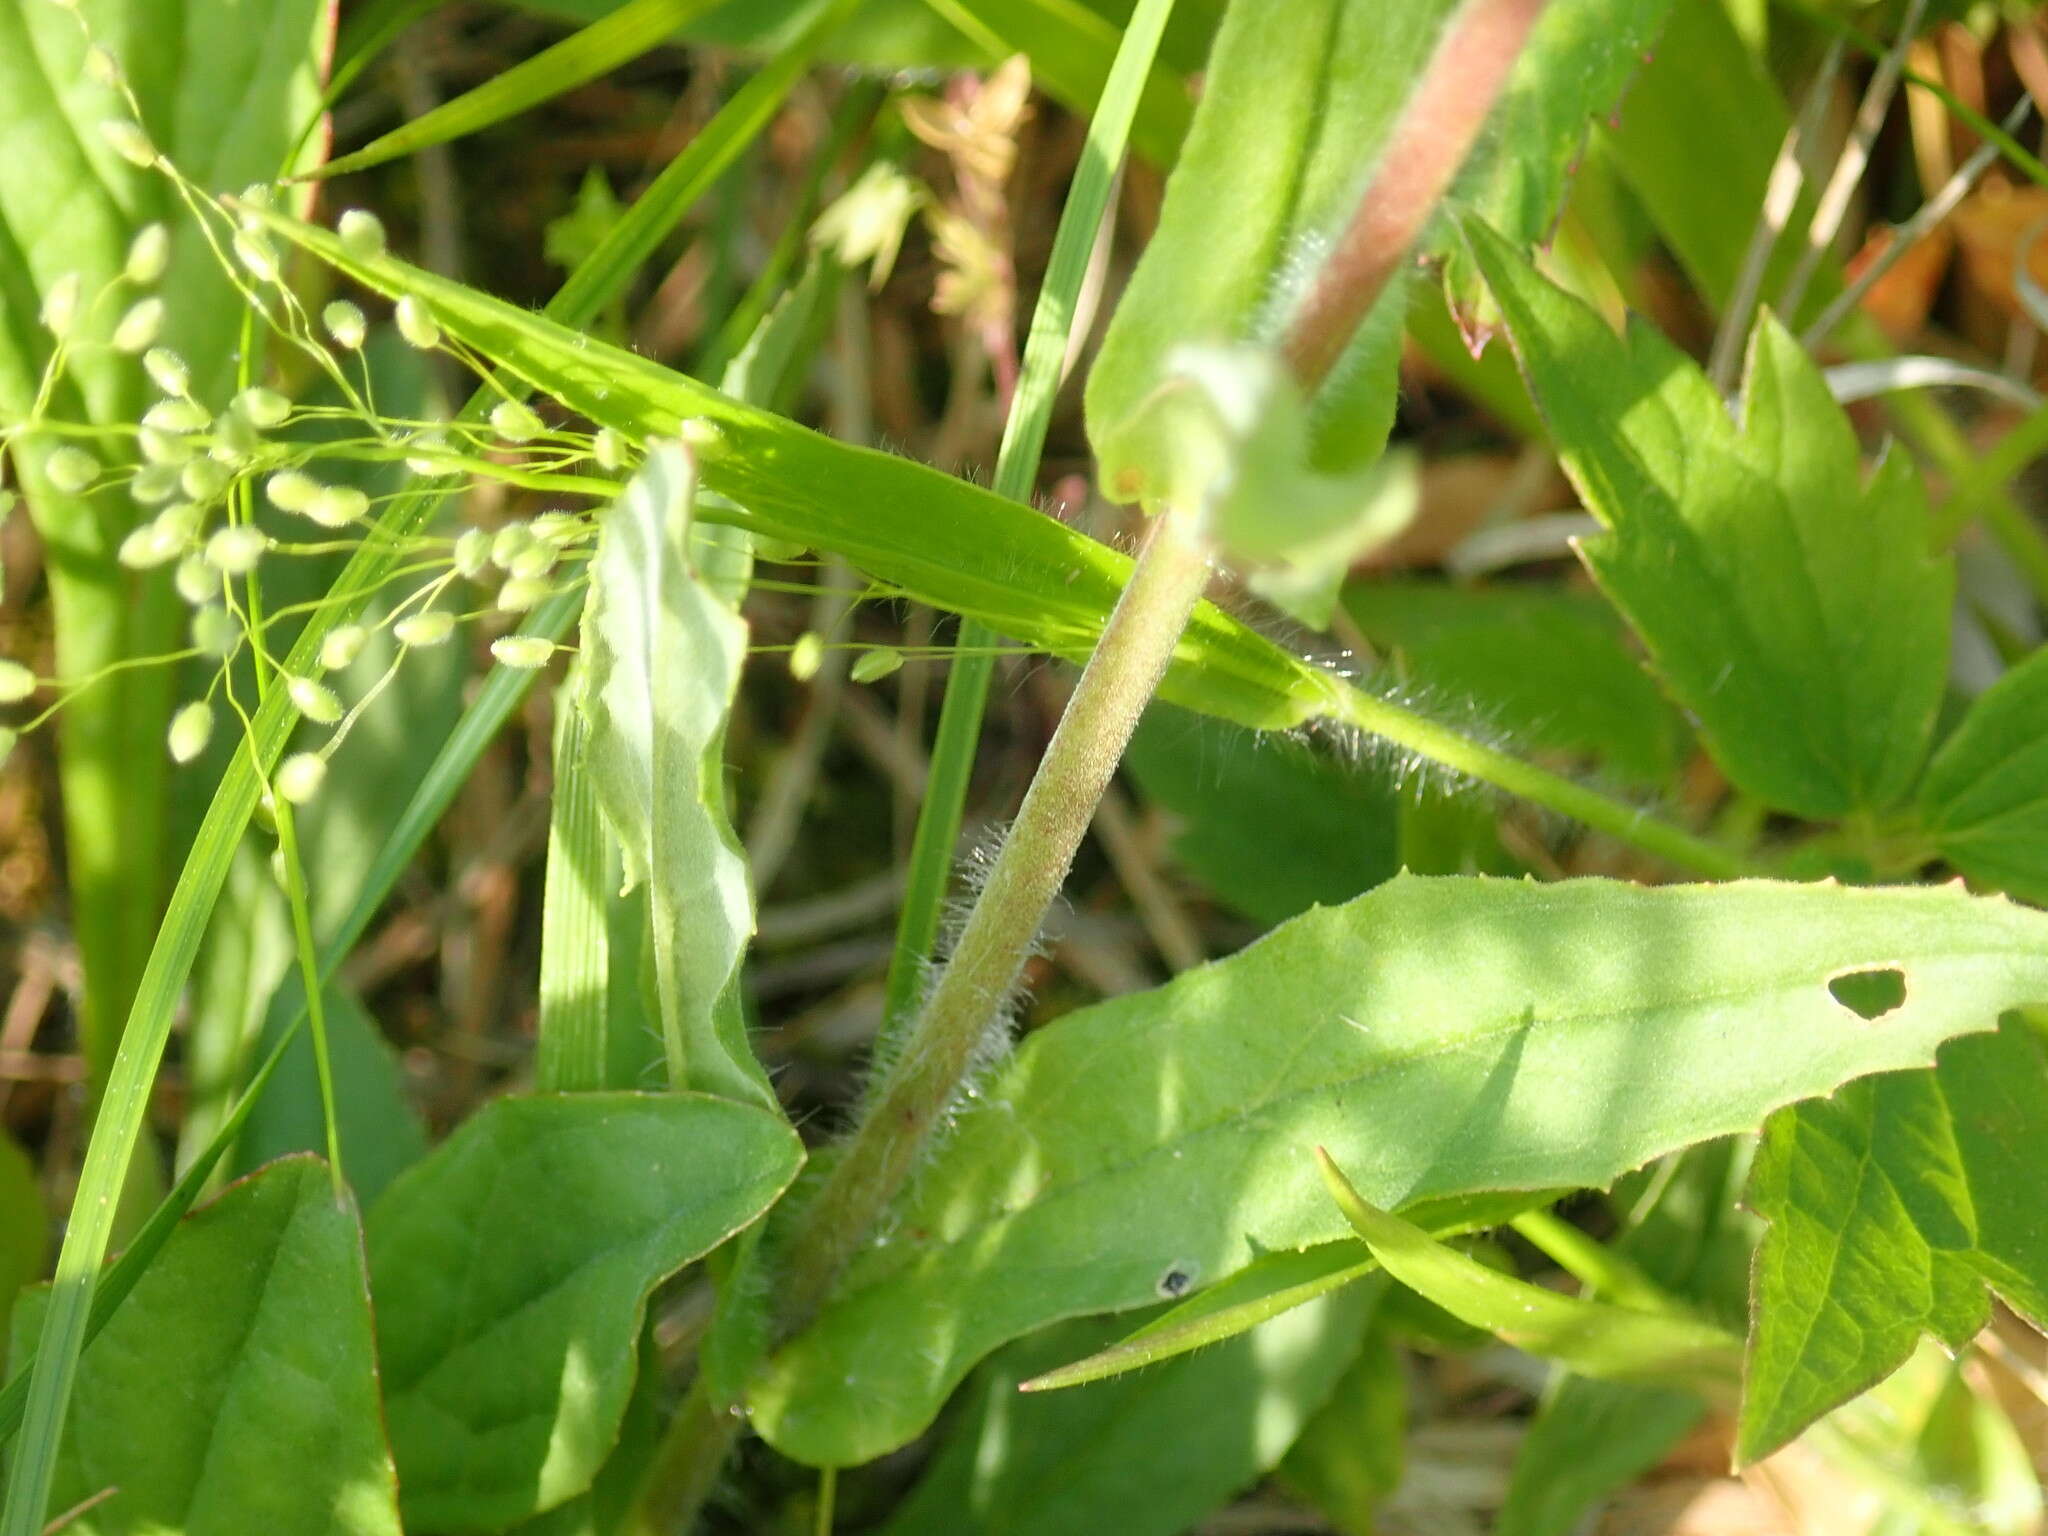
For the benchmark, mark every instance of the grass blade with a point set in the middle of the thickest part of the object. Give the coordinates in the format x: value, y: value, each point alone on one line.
x: 575, y: 937
x: 598, y: 48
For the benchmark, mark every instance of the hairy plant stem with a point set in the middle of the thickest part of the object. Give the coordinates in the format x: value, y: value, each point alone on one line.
x: 1136, y: 646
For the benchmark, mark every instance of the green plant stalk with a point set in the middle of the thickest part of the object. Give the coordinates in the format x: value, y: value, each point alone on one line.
x: 1045, y: 349
x: 117, y: 1130
x: 1596, y: 1266
x: 971, y: 993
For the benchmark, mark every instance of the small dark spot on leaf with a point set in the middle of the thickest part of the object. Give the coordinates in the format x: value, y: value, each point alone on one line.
x: 1870, y: 994
x: 1177, y: 1281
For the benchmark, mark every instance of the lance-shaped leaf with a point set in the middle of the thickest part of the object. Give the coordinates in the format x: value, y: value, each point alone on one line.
x: 511, y: 1268
x: 236, y: 1390
x: 1594, y: 1338
x: 1891, y: 1206
x: 1985, y: 796
x: 1787, y: 601
x: 663, y: 645
x: 937, y: 538
x: 1437, y: 1036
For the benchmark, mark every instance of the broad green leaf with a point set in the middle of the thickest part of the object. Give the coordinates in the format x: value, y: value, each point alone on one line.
x: 1149, y: 1455
x: 1437, y: 1036
x: 663, y: 645
x: 1550, y: 670
x: 223, y: 89
x: 1594, y: 1338
x: 510, y: 1270
x: 1269, y: 824
x: 1348, y: 1459
x: 604, y: 45
x: 1892, y: 1206
x: 939, y: 539
x: 1789, y: 603
x: 1985, y: 796
x: 237, y: 1389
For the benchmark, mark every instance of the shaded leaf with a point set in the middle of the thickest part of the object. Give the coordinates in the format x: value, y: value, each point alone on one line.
x: 254, y: 1322
x: 511, y: 1268
x: 24, y: 1224
x: 1348, y: 1458
x: 1147, y: 1455
x: 1438, y: 1036
x: 1985, y: 795
x: 1891, y: 1206
x: 1588, y: 1439
x: 663, y: 644
x: 1790, y: 605
x: 1594, y: 1338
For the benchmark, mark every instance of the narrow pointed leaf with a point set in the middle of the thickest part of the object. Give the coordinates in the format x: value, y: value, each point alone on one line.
x: 1787, y: 602
x: 1439, y: 1037
x: 1892, y: 1206
x: 511, y: 1269
x: 254, y: 1320
x: 1594, y: 1338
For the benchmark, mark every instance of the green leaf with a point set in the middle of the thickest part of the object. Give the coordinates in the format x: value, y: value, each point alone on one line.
x: 1148, y: 1455
x: 1985, y: 796
x: 1594, y: 1338
x: 1347, y: 1460
x: 1588, y: 1439
x: 237, y: 1389
x: 1891, y: 1206
x: 939, y: 539
x: 1578, y: 62
x: 24, y: 1224
x: 512, y: 1266
x: 1551, y: 670
x: 1788, y: 604
x: 1266, y: 822
x: 618, y: 38
x: 663, y: 645
x: 1438, y: 1036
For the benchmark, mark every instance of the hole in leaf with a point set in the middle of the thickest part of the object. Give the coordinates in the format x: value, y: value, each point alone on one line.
x: 1870, y: 994
x: 1178, y: 1280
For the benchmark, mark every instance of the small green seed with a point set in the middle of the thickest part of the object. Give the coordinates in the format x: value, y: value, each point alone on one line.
x: 191, y: 729
x: 196, y: 581
x: 345, y: 323
x: 416, y: 323
x: 291, y: 491
x: 524, y: 652
x: 424, y: 629
x: 314, y: 700
x: 71, y: 469
x: 556, y: 528
x: 167, y: 371
x: 533, y: 562
x: 177, y: 415
x: 362, y: 234
x: 204, y: 479
x: 154, y: 483
x: 472, y: 552
x: 161, y: 447
x: 101, y: 67
x: 149, y: 253
x: 262, y: 407
x: 514, y: 422
x: 215, y: 632
x: 145, y: 548
x: 60, y: 305
x: 509, y: 543
x: 523, y: 592
x: 609, y: 451
x: 236, y: 550
x: 129, y: 141
x: 806, y: 656
x: 871, y: 666
x: 300, y: 776
x: 16, y: 682
x: 341, y: 645
x: 139, y: 326
x: 336, y: 506
x: 234, y: 441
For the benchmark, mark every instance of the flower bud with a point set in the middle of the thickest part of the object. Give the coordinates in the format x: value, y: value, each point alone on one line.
x: 262, y: 407
x: 525, y: 652
x: 191, y: 729
x: 300, y: 776
x: 871, y: 666
x: 314, y: 700
x: 423, y: 629
x: 137, y: 328
x: 514, y: 422
x: 167, y: 371
x: 416, y: 323
x: 345, y: 323
x: 16, y: 682
x: 149, y: 253
x: 362, y: 234
x: 341, y: 645
x: 236, y: 549
x: 129, y: 141
x: 71, y: 469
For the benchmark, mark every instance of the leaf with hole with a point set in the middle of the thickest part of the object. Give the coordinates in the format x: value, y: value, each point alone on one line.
x: 511, y: 1268
x: 1439, y: 1036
